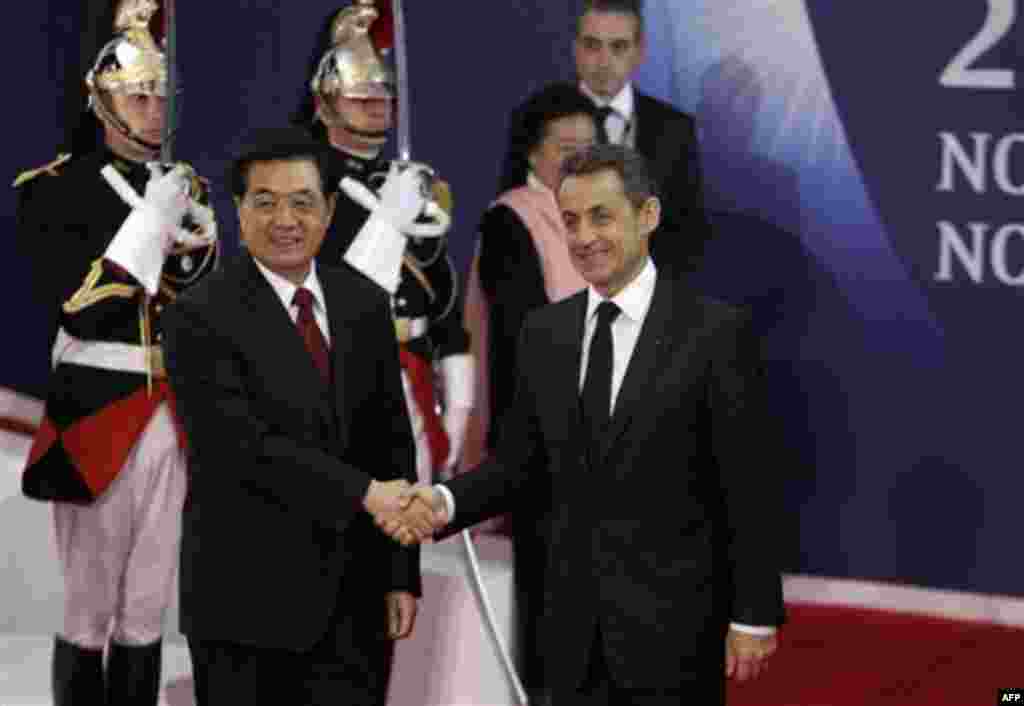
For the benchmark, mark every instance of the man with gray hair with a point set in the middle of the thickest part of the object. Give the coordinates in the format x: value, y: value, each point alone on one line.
x: 639, y: 412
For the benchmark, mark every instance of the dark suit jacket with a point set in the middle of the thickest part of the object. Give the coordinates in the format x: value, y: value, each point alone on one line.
x: 667, y: 139
x: 667, y: 537
x: 273, y: 525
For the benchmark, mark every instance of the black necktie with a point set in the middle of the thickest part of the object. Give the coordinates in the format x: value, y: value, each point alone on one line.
x: 597, y: 386
x: 602, y: 127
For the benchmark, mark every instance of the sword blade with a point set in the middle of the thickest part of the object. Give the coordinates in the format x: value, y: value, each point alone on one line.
x: 404, y: 135
x: 171, y: 104
x: 490, y: 619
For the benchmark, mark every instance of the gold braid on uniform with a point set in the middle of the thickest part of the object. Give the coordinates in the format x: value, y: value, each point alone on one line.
x: 144, y: 337
x: 88, y: 294
x: 48, y: 169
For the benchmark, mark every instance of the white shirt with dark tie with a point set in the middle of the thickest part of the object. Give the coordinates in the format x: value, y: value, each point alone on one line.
x: 285, y: 291
x: 621, y: 122
x: 634, y: 301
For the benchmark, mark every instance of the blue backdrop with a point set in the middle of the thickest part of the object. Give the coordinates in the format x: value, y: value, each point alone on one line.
x: 847, y: 149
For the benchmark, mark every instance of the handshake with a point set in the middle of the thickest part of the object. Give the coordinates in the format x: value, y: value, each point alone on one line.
x: 408, y: 514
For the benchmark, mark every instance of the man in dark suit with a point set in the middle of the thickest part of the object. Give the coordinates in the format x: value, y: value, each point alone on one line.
x: 286, y: 375
x: 608, y: 48
x: 639, y: 416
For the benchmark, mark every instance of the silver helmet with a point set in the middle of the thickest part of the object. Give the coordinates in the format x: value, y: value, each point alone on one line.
x: 353, y: 67
x: 131, y: 63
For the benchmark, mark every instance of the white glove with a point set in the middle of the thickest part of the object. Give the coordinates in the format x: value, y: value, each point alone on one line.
x: 458, y: 373
x: 404, y: 194
x: 377, y: 251
x: 142, y: 242
x: 203, y: 217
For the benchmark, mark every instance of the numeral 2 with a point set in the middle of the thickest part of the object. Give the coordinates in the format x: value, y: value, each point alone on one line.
x: 959, y: 74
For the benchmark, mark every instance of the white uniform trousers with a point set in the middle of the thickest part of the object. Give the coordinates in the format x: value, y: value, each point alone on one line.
x: 424, y: 473
x: 119, y: 554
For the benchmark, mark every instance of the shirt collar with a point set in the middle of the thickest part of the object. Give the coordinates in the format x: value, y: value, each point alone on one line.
x: 635, y: 298
x: 622, y: 103
x: 285, y: 290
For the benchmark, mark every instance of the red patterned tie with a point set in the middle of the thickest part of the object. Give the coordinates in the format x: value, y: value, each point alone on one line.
x: 311, y: 333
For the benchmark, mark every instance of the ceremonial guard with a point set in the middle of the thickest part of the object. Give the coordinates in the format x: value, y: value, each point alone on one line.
x: 392, y: 227
x: 114, y: 234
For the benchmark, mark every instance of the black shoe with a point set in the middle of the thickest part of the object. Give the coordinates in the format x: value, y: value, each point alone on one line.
x: 77, y: 675
x: 133, y: 674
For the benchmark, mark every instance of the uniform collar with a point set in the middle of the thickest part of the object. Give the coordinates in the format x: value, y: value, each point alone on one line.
x: 352, y: 163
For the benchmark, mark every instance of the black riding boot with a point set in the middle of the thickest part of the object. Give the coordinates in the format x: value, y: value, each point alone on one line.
x: 77, y: 675
x: 133, y: 674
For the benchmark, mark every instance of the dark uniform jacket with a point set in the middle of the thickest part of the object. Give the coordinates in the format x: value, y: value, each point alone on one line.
x: 428, y: 285
x: 67, y: 217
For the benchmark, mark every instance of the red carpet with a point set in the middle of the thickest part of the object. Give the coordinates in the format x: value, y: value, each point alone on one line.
x: 834, y: 656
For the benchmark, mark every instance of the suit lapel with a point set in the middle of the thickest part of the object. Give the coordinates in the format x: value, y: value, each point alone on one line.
x: 646, y: 140
x: 566, y: 353
x: 662, y: 332
x: 282, y: 341
x: 341, y: 350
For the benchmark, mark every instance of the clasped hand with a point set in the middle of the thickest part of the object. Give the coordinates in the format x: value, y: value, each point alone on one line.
x: 407, y: 514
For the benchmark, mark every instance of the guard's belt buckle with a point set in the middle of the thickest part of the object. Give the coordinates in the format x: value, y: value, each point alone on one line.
x: 156, y: 362
x: 403, y: 329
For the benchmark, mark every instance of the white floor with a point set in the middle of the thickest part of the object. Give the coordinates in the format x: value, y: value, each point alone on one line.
x: 25, y: 672
x: 31, y: 596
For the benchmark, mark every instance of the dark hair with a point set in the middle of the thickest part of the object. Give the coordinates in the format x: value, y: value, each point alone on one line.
x: 631, y: 167
x: 277, y: 144
x: 619, y: 7
x: 532, y: 118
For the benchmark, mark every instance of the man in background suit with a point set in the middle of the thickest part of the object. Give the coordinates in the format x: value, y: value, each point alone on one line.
x: 287, y: 378
x: 639, y: 415
x: 608, y: 48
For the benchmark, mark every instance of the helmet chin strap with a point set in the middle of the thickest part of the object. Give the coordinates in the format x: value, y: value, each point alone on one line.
x: 110, y: 117
x: 378, y: 137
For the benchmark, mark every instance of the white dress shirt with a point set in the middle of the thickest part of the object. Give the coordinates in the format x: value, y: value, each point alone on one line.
x: 621, y: 124
x: 634, y: 301
x: 285, y: 291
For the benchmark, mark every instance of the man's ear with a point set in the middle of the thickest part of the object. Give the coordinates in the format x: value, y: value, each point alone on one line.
x: 650, y: 215
x: 238, y: 213
x: 332, y: 202
x: 641, y: 48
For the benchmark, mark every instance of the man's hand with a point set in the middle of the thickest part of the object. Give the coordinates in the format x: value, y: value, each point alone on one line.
x: 386, y: 497
x: 745, y: 653
x: 401, y: 614
x: 424, y: 514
